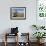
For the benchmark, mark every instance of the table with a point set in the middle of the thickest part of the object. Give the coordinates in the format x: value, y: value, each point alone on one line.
x: 7, y: 35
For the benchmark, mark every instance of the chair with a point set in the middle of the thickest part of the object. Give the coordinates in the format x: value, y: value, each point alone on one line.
x: 14, y: 32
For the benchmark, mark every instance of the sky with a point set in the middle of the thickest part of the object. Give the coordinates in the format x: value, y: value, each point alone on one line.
x: 19, y: 10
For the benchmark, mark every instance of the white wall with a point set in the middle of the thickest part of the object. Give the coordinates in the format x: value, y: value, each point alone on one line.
x: 24, y: 25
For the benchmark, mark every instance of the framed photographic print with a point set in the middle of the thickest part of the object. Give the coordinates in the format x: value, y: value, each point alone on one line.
x: 18, y: 13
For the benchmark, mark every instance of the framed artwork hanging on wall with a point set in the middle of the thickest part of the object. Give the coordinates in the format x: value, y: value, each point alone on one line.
x: 18, y: 13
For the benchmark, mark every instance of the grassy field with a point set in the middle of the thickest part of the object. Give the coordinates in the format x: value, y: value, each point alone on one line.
x: 19, y: 15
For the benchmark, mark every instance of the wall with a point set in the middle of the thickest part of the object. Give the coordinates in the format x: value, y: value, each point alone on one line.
x: 24, y: 25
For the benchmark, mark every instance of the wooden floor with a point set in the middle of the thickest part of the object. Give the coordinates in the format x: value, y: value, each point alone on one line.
x: 13, y: 44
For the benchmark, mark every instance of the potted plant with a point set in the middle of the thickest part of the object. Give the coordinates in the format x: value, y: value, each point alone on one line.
x: 39, y: 35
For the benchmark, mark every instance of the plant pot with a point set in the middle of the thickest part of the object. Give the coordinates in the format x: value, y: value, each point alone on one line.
x: 40, y: 41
